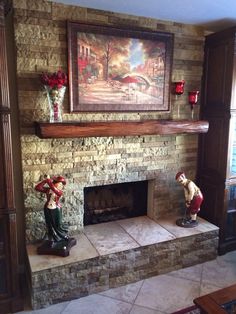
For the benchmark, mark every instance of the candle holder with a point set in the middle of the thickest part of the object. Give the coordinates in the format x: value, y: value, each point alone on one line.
x: 178, y: 90
x: 179, y: 87
x: 193, y: 99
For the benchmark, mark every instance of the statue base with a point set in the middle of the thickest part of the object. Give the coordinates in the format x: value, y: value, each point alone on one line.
x: 186, y: 223
x: 60, y: 248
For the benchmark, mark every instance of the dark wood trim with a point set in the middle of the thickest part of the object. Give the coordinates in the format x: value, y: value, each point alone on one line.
x: 207, y: 305
x: 211, y: 303
x: 10, y: 299
x: 4, y: 99
x: 7, y: 6
x: 119, y: 128
x: 7, y: 153
x: 216, y: 173
x: 1, y: 13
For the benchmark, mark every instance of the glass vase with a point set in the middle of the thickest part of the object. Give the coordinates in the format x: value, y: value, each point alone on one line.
x: 55, y: 100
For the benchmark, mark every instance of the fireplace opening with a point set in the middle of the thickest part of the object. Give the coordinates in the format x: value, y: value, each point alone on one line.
x: 115, y: 201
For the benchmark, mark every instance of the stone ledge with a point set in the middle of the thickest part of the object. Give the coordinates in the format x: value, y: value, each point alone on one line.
x: 61, y: 279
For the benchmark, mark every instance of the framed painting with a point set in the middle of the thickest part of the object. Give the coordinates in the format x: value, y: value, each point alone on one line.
x: 116, y: 69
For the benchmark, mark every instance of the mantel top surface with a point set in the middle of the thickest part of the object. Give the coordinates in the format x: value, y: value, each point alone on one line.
x: 119, y: 128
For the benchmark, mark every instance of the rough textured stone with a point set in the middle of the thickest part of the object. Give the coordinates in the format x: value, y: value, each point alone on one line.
x: 42, y: 5
x: 86, y: 277
x: 60, y: 11
x: 20, y: 4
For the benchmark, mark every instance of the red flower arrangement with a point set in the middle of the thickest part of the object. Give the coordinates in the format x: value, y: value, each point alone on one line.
x: 56, y: 80
x: 55, y: 86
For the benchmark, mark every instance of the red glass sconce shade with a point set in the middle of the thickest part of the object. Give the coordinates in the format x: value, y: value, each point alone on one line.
x: 193, y: 98
x: 179, y: 87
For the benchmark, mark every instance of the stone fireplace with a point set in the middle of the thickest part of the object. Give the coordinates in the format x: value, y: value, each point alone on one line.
x: 153, y: 151
x: 102, y: 158
x: 102, y: 161
x: 103, y: 153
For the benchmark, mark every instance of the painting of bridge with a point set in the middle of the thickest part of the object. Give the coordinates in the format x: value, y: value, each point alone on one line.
x: 119, y: 73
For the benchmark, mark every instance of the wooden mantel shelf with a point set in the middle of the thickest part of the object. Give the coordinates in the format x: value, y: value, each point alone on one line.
x: 119, y: 128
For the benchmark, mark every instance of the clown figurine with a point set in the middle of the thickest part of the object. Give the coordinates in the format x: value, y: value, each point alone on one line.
x: 58, y: 241
x: 193, y: 201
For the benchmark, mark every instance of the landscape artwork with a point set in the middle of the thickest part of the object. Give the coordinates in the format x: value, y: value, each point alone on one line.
x: 118, y: 70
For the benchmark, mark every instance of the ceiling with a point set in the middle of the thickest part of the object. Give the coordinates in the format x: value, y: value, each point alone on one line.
x: 213, y: 15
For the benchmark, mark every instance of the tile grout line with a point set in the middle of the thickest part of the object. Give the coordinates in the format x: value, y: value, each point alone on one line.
x: 128, y: 234
x: 99, y: 255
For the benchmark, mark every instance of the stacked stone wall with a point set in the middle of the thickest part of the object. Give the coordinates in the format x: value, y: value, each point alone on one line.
x: 41, y: 45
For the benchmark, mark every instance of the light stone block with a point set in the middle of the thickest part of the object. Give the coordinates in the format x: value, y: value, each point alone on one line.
x: 69, y: 12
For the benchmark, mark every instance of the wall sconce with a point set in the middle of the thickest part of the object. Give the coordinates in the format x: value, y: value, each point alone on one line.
x: 192, y: 99
x: 179, y: 87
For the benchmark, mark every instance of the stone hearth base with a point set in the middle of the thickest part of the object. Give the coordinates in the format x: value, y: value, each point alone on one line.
x: 112, y: 254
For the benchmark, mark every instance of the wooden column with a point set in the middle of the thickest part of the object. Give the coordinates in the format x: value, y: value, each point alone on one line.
x: 9, y: 278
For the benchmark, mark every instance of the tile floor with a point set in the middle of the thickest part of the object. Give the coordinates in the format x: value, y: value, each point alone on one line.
x: 157, y: 295
x: 160, y: 294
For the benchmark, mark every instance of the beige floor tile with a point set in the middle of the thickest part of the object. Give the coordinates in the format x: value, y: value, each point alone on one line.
x: 136, y: 309
x: 167, y: 294
x: 145, y: 231
x: 126, y: 293
x: 207, y: 288
x: 97, y: 304
x: 53, y: 309
x: 109, y: 238
x: 219, y: 272
x: 193, y: 273
x: 81, y: 251
x: 229, y: 257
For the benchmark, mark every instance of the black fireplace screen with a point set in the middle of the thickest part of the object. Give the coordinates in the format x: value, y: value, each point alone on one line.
x: 115, y: 201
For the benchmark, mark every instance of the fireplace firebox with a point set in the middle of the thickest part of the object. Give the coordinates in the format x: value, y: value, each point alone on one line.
x: 115, y: 201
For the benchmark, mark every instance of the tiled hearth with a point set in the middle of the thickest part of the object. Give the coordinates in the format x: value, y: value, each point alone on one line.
x: 112, y: 254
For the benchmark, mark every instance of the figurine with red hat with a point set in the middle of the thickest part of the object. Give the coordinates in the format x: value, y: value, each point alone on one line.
x: 193, y: 201
x: 57, y: 235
